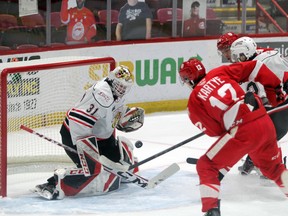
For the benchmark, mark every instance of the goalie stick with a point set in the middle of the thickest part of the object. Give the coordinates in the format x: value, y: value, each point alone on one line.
x: 117, y: 169
x: 160, y: 177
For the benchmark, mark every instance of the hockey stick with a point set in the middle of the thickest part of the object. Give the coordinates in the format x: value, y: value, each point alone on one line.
x: 23, y: 127
x: 131, y: 177
x: 160, y: 177
x: 166, y: 150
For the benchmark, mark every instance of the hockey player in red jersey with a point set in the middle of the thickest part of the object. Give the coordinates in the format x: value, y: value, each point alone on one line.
x: 224, y: 43
x: 80, y: 21
x: 273, y: 59
x: 89, y: 128
x: 245, y: 49
x: 220, y: 107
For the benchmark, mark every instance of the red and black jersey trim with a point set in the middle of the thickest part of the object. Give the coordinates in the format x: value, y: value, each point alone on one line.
x: 82, y: 118
x: 66, y: 123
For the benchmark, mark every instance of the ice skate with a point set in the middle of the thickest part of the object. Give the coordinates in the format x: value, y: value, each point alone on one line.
x: 247, y: 167
x: 46, y: 191
x: 213, y: 212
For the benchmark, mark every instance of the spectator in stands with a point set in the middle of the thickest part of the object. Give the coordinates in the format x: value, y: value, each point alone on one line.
x: 80, y: 21
x: 195, y: 25
x: 135, y: 21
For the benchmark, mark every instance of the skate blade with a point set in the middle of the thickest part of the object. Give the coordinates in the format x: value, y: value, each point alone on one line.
x: 45, y: 194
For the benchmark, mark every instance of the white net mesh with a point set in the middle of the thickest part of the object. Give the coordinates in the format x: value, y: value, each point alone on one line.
x: 38, y: 95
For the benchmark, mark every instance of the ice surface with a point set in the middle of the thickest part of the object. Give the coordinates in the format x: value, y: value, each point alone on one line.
x: 177, y: 196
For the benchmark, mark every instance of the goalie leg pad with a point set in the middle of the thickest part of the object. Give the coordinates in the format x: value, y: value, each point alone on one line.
x: 76, y: 183
x: 88, y: 151
x: 126, y: 152
x: 92, y: 178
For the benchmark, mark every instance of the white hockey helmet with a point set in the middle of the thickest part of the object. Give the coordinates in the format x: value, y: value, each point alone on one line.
x: 121, y: 80
x: 243, y: 49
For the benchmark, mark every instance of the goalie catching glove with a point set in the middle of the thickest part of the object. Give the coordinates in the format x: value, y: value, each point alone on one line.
x: 132, y: 120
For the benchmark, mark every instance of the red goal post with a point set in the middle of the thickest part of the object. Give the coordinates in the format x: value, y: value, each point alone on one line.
x: 38, y: 93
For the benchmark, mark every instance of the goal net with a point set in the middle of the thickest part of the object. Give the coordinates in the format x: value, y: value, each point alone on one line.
x: 37, y: 94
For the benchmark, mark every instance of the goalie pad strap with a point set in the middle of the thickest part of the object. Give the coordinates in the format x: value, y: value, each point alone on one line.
x: 88, y: 147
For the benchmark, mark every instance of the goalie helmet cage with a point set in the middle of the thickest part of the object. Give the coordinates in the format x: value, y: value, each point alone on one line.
x: 37, y: 94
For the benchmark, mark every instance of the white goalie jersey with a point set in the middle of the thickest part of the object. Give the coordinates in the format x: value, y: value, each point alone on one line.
x: 97, y: 113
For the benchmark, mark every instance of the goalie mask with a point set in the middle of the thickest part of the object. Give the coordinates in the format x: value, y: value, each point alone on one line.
x: 243, y: 49
x: 191, y: 72
x: 121, y: 80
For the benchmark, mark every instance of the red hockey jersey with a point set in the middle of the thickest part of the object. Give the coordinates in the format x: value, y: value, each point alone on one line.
x: 81, y: 24
x: 216, y: 104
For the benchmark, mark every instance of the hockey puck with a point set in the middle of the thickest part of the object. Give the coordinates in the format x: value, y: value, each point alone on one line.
x: 190, y: 160
x: 138, y: 144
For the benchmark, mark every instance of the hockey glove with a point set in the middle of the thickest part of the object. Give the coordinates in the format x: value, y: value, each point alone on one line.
x: 132, y: 120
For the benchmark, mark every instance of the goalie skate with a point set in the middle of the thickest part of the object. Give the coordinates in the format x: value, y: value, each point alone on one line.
x: 46, y: 191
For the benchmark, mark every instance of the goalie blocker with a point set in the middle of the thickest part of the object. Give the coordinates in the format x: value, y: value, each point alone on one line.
x: 92, y: 178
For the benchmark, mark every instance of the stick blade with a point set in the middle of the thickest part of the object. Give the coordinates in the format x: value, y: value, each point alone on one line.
x: 162, y: 176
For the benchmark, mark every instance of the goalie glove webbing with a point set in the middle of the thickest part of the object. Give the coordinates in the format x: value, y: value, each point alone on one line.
x: 132, y: 120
